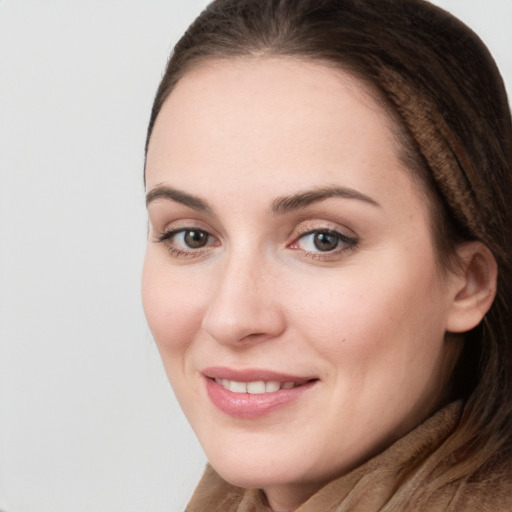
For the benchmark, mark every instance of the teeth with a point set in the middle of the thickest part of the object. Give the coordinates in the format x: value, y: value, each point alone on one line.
x: 272, y: 386
x: 255, y: 388
x: 238, y: 387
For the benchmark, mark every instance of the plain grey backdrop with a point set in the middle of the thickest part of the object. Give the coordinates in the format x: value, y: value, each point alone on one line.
x: 88, y: 422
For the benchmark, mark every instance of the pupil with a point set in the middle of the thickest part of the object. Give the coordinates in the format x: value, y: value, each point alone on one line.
x: 325, y: 241
x: 196, y: 239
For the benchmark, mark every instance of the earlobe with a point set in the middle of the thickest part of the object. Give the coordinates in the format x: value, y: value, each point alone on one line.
x: 474, y: 287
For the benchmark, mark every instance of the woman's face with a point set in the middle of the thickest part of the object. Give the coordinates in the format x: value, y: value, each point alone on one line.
x: 290, y: 279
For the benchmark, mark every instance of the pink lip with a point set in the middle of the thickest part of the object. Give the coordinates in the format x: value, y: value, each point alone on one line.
x: 251, y: 406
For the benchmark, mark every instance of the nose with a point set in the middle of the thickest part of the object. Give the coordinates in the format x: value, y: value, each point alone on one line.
x: 244, y: 308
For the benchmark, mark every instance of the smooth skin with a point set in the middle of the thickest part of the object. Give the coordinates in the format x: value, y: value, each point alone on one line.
x: 342, y: 284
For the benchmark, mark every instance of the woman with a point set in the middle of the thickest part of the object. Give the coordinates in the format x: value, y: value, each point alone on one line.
x: 327, y: 275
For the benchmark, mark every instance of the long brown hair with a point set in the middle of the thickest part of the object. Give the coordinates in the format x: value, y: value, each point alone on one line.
x: 444, y: 92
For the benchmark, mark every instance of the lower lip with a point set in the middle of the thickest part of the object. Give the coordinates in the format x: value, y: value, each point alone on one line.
x: 247, y: 405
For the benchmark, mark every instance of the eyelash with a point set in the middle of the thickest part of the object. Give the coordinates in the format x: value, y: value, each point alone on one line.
x: 167, y: 236
x: 344, y: 243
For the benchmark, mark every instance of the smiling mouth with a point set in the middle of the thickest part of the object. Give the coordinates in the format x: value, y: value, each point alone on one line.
x: 251, y: 393
x: 252, y: 399
x: 258, y: 387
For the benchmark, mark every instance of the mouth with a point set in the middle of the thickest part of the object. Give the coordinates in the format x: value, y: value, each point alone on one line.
x: 253, y: 393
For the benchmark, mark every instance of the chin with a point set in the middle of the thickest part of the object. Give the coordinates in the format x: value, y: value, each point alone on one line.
x: 256, y: 473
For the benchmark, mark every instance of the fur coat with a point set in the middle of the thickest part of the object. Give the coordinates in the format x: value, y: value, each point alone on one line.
x: 378, y: 484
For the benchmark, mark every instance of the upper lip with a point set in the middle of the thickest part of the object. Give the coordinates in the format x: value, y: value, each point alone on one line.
x: 251, y: 375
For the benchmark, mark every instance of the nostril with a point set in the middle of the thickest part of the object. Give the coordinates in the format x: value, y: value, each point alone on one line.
x: 253, y: 336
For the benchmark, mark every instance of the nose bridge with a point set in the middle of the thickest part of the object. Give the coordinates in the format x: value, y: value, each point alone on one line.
x: 243, y: 305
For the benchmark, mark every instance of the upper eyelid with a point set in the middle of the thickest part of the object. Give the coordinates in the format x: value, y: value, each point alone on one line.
x: 169, y: 233
x: 182, y: 224
x: 346, y: 239
x: 307, y: 227
x: 326, y: 230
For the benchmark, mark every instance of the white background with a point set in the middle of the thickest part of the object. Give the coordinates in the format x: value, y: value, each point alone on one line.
x: 87, y: 420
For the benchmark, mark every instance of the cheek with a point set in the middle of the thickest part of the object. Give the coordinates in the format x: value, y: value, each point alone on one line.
x: 173, y: 309
x: 382, y: 311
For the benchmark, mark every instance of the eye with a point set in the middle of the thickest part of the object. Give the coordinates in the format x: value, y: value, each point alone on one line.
x: 323, y: 240
x: 187, y: 241
x: 192, y: 238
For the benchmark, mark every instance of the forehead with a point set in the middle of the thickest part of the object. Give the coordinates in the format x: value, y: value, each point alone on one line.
x: 246, y: 111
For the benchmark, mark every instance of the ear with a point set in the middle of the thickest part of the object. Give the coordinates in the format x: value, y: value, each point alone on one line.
x: 474, y: 287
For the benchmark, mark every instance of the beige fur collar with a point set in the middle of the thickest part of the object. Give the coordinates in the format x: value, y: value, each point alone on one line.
x: 384, y: 483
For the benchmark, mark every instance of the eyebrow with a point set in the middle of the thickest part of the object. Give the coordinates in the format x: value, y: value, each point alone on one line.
x: 280, y: 205
x: 171, y: 194
x: 300, y: 200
